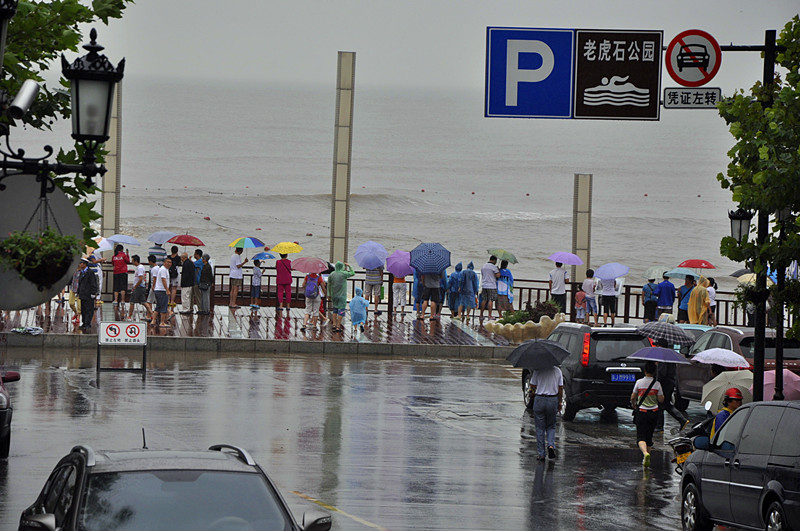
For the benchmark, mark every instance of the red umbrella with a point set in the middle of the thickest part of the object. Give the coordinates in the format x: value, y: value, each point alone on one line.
x: 697, y: 263
x: 185, y: 239
x: 308, y: 264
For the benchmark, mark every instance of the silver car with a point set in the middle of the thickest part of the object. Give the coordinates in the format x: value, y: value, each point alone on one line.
x: 219, y: 489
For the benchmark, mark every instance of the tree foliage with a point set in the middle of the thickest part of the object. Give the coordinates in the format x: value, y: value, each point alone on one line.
x: 764, y: 169
x: 37, y: 35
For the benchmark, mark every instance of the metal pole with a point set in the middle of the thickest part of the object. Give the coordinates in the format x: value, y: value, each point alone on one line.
x: 781, y: 267
x: 763, y: 227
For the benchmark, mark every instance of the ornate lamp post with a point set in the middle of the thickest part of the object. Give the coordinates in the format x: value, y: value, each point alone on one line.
x: 740, y: 224
x: 782, y: 216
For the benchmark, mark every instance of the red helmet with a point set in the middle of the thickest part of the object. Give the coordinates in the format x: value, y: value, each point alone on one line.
x: 733, y: 393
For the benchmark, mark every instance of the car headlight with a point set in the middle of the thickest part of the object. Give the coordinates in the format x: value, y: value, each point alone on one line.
x: 3, y: 401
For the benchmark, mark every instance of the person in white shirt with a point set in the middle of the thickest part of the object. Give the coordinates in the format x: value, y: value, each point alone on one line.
x: 591, y: 299
x: 489, y: 275
x: 236, y: 275
x: 558, y: 286
x: 139, y: 290
x: 609, y: 292
x: 161, y: 290
x: 547, y: 386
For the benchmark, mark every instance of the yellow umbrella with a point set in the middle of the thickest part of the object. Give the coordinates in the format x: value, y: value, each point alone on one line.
x: 286, y: 248
x: 750, y: 278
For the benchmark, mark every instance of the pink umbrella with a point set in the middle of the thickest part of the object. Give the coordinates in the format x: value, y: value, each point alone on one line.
x: 791, y: 385
x: 399, y: 264
x: 309, y: 264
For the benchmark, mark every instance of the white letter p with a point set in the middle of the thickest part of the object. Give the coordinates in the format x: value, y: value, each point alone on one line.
x: 513, y: 73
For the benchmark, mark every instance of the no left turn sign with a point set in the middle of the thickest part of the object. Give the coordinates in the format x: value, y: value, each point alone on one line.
x: 693, y: 58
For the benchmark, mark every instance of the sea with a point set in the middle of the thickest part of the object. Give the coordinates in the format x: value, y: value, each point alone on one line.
x: 226, y: 159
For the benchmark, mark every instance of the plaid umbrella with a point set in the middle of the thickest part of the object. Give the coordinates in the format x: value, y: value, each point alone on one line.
x: 538, y: 354
x: 429, y: 258
x: 669, y: 333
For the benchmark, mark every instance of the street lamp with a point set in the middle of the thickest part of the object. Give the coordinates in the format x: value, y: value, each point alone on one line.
x: 740, y: 224
x: 782, y: 216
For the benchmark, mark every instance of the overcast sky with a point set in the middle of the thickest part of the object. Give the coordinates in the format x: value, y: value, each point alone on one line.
x: 400, y: 42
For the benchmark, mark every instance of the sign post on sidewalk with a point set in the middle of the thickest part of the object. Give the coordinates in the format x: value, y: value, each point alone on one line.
x: 122, y: 334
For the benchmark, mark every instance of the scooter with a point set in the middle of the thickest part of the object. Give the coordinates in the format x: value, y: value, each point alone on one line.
x: 683, y: 445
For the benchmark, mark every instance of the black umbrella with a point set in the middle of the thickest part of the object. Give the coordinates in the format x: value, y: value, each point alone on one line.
x: 669, y: 333
x: 740, y: 272
x: 538, y: 354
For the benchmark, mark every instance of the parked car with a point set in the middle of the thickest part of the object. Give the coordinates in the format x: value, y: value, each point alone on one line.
x: 596, y: 374
x: 692, y: 377
x: 6, y: 412
x: 219, y: 489
x: 747, y: 475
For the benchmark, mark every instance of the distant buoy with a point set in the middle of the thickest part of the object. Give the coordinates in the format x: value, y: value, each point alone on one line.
x: 258, y: 228
x: 309, y: 234
x: 123, y: 186
x: 527, y: 195
x: 204, y: 217
x: 297, y: 243
x: 423, y: 189
x: 698, y: 195
x: 645, y: 195
x: 473, y: 193
x: 266, y: 247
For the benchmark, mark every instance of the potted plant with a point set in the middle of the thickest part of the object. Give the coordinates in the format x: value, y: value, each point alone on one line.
x: 39, y: 258
x: 532, y: 322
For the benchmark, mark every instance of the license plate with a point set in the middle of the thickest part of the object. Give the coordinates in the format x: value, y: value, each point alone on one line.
x: 623, y: 377
x: 682, y: 458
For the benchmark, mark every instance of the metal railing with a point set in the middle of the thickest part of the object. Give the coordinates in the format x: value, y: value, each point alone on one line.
x: 629, y: 303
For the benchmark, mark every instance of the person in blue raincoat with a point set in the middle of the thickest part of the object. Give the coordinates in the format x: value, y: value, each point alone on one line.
x: 469, y: 289
x: 358, y: 310
x: 453, y: 291
x: 505, y: 289
x: 443, y: 283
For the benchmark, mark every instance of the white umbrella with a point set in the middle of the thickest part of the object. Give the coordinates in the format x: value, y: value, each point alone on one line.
x: 101, y: 244
x: 161, y: 236
x: 721, y: 356
x: 714, y: 390
x: 122, y: 238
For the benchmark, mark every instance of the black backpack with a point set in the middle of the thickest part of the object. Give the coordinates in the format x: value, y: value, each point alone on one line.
x: 173, y: 269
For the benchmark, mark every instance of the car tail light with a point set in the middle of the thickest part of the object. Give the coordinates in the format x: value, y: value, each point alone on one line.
x: 585, y: 353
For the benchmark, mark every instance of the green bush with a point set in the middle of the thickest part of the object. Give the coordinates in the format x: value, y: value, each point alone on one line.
x: 534, y: 313
x: 40, y: 258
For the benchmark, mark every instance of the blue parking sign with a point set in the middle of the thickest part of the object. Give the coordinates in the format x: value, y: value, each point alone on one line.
x: 529, y: 72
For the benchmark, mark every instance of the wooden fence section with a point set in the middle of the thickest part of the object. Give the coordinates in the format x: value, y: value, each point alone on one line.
x: 629, y: 305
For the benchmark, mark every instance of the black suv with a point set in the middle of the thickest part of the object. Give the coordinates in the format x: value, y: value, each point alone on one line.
x: 5, y: 413
x: 221, y: 489
x: 596, y: 374
x: 748, y: 475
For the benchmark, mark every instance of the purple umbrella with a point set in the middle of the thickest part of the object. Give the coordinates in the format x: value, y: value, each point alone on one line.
x: 371, y: 255
x: 660, y: 354
x: 399, y: 264
x: 566, y: 258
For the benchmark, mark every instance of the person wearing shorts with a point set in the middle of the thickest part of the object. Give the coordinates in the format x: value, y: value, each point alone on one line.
x: 373, y: 278
x: 161, y: 290
x: 120, y: 262
x: 236, y: 275
x: 591, y: 300
x: 313, y: 304
x: 489, y: 275
x: 609, y: 293
x: 139, y: 290
x: 645, y: 399
x: 431, y: 294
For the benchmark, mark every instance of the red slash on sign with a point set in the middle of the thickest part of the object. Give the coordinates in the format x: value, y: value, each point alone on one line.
x: 693, y: 58
x: 132, y: 330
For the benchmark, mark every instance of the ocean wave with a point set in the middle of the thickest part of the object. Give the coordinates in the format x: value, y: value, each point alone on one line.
x: 616, y: 103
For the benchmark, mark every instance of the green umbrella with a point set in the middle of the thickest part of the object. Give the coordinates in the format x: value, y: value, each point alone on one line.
x: 502, y: 254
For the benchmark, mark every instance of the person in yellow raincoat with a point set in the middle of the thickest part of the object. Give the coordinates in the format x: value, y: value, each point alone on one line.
x: 699, y: 303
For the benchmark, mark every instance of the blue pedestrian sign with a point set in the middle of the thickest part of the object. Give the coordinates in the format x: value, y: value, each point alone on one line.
x: 529, y: 72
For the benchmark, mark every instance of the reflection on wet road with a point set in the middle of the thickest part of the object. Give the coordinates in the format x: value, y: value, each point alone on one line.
x: 386, y: 443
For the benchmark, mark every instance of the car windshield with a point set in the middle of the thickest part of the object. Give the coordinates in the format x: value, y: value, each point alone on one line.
x: 615, y: 347
x: 791, y: 348
x: 181, y: 500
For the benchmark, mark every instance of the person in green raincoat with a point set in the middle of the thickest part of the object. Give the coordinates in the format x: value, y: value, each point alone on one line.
x: 337, y: 291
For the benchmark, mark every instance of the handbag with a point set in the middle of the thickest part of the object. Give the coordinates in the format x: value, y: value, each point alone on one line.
x: 204, y: 286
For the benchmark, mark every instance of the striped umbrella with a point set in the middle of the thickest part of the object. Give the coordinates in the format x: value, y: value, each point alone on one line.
x: 246, y: 243
x: 429, y: 258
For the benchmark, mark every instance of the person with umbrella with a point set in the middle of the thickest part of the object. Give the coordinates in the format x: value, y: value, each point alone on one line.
x: 337, y: 291
x: 431, y: 295
x: 546, y: 385
x: 609, y: 292
x: 559, y: 278
x: 645, y: 398
x: 733, y: 399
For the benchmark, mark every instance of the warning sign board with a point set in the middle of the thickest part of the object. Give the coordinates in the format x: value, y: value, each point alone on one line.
x: 618, y: 74
x: 123, y: 333
x: 693, y: 58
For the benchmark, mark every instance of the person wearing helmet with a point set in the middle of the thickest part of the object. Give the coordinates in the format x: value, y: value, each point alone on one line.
x: 732, y: 400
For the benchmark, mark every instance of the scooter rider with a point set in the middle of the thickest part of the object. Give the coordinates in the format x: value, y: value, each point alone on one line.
x: 732, y: 400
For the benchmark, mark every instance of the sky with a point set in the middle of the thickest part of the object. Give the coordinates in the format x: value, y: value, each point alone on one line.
x: 401, y: 43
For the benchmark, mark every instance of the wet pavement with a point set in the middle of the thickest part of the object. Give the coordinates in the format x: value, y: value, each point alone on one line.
x: 381, y: 443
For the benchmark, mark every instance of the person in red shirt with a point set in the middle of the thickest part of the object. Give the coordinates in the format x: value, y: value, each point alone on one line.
x: 120, y: 262
x: 283, y: 281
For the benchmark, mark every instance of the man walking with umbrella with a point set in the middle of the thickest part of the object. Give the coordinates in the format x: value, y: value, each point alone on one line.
x: 546, y: 385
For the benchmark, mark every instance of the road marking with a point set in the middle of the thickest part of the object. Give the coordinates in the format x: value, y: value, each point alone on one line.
x: 336, y: 510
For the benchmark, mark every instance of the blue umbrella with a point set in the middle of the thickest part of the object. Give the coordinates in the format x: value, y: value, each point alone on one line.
x: 681, y: 272
x: 264, y: 256
x: 660, y: 354
x: 371, y: 255
x: 611, y: 271
x: 429, y: 258
x: 122, y: 238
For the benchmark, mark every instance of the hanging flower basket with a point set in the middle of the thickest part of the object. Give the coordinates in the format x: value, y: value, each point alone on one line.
x: 39, y: 258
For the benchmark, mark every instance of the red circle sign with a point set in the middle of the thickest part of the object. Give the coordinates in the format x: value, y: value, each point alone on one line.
x: 693, y: 58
